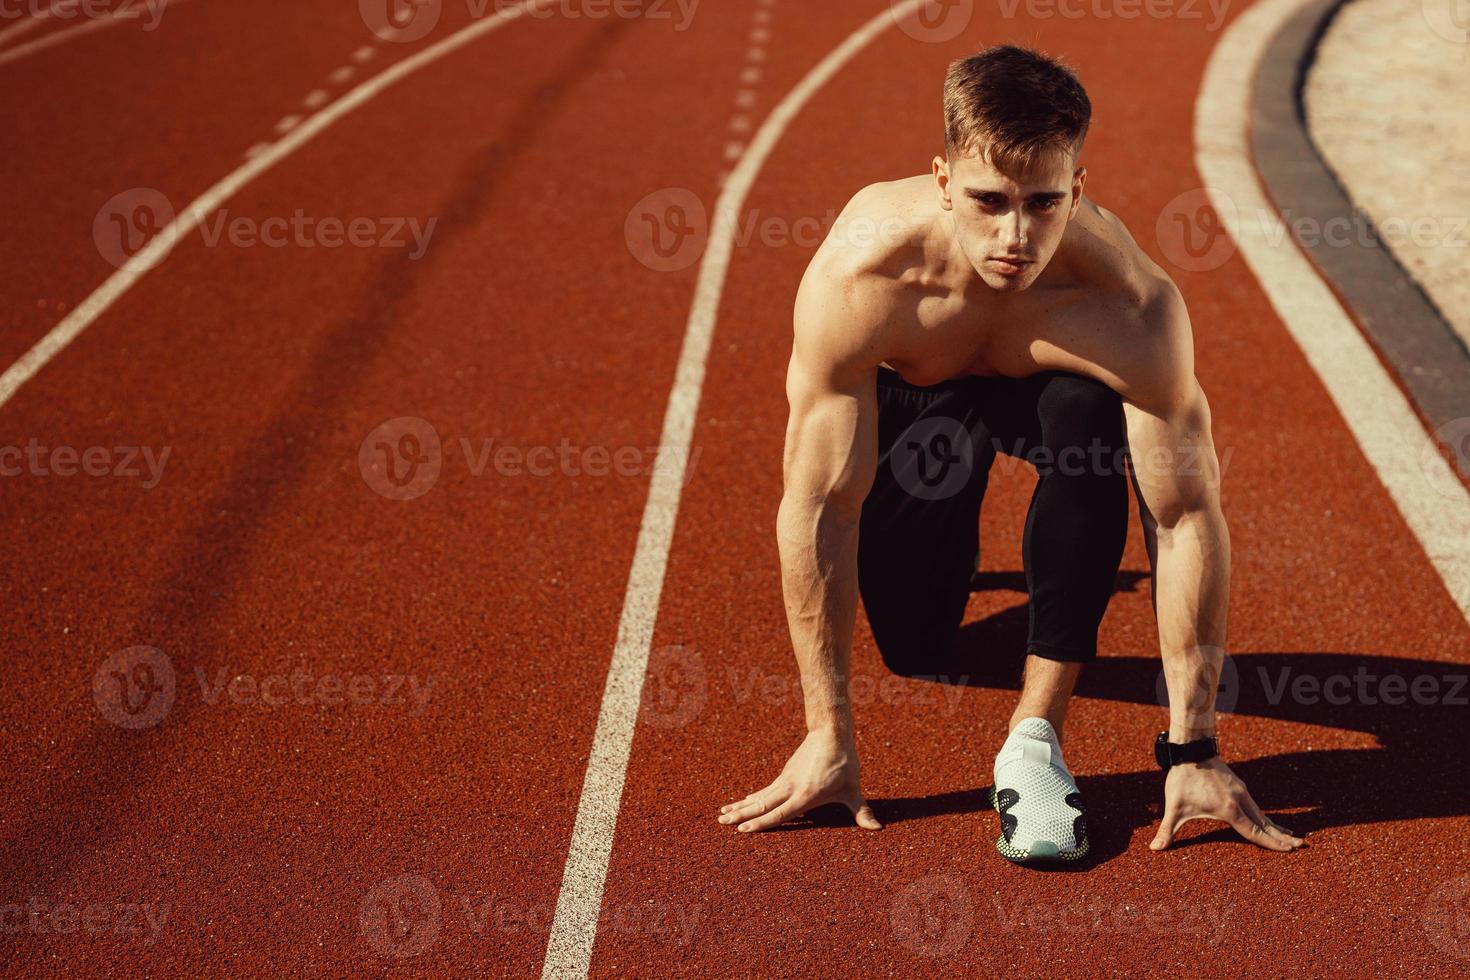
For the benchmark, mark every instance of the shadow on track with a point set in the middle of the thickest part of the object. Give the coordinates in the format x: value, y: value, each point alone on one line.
x: 1417, y: 710
x: 76, y: 813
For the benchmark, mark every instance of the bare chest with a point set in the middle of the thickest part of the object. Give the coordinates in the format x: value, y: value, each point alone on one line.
x: 1045, y: 332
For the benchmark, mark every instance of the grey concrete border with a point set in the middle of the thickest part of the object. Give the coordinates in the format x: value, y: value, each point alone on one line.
x: 1401, y: 322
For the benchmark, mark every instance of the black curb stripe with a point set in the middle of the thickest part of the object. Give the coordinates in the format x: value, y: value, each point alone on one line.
x: 1429, y: 358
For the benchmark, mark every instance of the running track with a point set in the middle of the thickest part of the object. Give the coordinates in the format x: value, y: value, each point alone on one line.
x: 322, y: 839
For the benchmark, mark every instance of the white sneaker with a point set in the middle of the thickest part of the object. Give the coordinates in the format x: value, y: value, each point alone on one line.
x: 1042, y: 817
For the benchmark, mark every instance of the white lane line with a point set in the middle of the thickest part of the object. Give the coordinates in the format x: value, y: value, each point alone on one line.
x: 189, y: 218
x: 1428, y: 494
x: 341, y: 74
x: 28, y: 24
x: 287, y: 124
x: 315, y: 99
x: 569, y: 947
x: 63, y: 34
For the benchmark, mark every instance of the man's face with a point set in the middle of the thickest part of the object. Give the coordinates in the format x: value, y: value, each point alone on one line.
x: 1009, y: 228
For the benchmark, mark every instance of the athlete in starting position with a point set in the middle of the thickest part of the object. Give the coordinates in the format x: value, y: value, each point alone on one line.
x: 990, y: 307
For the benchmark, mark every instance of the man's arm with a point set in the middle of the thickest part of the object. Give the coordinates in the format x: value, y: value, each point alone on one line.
x: 830, y: 460
x: 1177, y: 478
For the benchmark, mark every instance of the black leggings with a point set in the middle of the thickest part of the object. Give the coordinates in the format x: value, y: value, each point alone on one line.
x: 920, y: 524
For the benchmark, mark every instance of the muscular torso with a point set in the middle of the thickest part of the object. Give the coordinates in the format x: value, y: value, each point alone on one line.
x: 1083, y: 314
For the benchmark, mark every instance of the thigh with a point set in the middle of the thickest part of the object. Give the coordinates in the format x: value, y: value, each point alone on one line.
x: 919, y: 530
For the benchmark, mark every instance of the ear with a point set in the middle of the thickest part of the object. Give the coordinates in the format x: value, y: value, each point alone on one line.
x: 1079, y: 180
x: 941, y: 181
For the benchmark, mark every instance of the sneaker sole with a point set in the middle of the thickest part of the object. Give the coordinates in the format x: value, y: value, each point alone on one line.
x: 1050, y: 855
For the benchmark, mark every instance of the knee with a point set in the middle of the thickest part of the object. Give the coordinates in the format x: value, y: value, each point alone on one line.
x: 1081, y: 427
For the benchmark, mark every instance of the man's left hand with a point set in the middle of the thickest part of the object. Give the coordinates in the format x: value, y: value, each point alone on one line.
x: 1210, y: 791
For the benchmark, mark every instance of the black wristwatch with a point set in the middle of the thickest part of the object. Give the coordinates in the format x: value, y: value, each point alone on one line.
x: 1168, y: 753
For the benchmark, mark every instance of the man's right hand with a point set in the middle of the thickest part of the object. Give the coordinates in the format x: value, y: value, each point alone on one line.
x: 823, y: 769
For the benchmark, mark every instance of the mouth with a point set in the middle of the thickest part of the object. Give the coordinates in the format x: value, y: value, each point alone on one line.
x: 1010, y: 265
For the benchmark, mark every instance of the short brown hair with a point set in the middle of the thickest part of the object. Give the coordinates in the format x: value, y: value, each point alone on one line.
x: 1017, y: 106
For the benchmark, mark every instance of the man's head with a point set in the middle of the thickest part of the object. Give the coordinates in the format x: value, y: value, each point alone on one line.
x: 1014, y: 122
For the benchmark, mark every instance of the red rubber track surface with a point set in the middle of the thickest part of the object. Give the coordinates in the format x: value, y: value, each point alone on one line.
x: 263, y: 551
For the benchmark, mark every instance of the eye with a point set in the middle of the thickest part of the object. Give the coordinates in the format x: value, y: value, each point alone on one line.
x: 1047, y: 204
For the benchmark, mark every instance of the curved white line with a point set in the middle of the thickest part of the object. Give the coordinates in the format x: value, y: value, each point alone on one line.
x: 27, y: 24
x: 187, y: 220
x: 1430, y: 497
x: 569, y: 947
x: 64, y: 34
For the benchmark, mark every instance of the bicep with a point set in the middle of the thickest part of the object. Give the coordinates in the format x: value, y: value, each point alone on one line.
x: 1175, y: 469
x: 832, y: 431
x: 831, y: 434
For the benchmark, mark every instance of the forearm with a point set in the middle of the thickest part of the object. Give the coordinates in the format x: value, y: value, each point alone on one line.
x: 1191, y: 600
x: 818, y: 544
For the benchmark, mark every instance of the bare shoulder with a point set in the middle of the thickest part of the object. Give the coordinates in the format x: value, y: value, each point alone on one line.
x: 850, y: 291
x: 1154, y: 359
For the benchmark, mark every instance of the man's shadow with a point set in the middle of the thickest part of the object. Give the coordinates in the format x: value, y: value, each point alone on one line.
x: 1417, y: 710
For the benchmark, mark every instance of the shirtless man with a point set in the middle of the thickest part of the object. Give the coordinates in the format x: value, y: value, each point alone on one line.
x: 988, y: 307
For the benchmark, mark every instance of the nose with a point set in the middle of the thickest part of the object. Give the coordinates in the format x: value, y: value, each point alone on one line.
x: 1013, y: 232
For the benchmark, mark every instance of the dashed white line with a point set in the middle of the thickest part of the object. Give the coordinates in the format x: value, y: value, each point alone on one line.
x: 188, y: 219
x: 578, y: 906
x: 342, y: 74
x: 316, y: 98
x: 287, y: 124
x: 62, y: 34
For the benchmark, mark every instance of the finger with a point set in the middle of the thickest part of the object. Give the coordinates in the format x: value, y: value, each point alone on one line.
x: 753, y: 805
x: 771, y: 818
x: 1277, y: 827
x: 1256, y: 833
x: 1267, y: 825
x: 1167, y: 826
x: 730, y: 806
x: 864, y: 814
